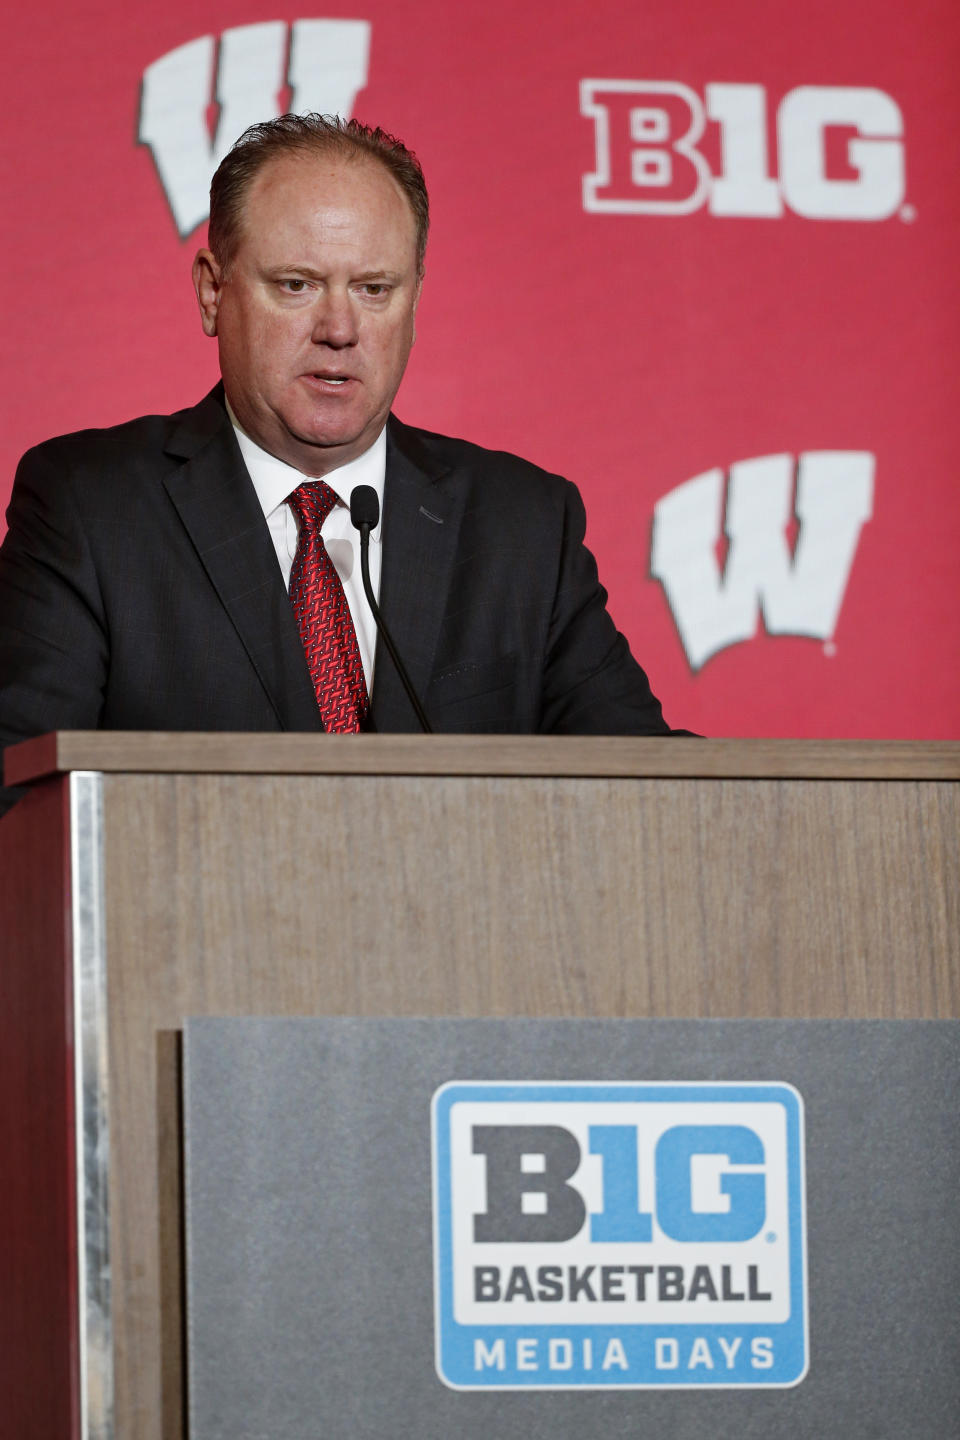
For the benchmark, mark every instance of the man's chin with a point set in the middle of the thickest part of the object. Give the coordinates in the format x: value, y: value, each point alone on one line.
x: 320, y: 448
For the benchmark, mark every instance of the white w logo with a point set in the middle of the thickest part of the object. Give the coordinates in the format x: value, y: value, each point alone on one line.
x: 799, y: 593
x: 323, y: 62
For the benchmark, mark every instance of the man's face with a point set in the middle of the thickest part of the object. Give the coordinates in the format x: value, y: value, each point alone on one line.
x: 314, y: 314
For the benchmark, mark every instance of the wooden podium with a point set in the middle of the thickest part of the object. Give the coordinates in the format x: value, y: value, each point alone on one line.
x: 149, y: 877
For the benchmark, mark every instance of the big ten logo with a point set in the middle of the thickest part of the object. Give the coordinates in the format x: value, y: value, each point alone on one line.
x: 530, y: 1197
x: 648, y: 1220
x: 662, y: 150
x: 790, y: 533
x: 196, y: 100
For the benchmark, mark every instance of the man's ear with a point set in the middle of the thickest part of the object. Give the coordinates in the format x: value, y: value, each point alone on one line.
x: 416, y: 302
x: 208, y: 283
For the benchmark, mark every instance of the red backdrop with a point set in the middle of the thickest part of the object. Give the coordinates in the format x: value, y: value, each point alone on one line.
x: 632, y: 313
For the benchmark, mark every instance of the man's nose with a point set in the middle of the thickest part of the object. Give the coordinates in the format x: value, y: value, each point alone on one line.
x: 335, y: 322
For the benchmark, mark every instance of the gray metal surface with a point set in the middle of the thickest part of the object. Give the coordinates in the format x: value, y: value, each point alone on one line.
x: 309, y: 1264
x: 92, y: 1105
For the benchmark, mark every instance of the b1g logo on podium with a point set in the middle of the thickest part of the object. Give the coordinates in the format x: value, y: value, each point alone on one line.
x: 619, y: 1235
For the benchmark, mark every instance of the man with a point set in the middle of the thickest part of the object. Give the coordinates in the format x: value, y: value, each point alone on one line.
x: 194, y: 572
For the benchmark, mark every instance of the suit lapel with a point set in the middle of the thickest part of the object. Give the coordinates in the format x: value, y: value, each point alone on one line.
x: 421, y: 526
x: 216, y: 502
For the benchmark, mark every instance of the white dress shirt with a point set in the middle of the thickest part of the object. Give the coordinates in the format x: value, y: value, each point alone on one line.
x: 274, y: 480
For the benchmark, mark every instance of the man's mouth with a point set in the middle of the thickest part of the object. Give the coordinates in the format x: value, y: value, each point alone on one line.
x: 329, y: 381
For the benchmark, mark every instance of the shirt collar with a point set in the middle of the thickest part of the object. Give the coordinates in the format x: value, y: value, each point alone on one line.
x: 274, y: 479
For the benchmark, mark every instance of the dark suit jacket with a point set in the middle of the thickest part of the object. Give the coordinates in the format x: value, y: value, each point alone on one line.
x: 139, y: 589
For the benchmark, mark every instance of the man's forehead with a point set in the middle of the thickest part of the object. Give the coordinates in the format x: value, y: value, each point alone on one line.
x: 305, y: 180
x: 300, y: 200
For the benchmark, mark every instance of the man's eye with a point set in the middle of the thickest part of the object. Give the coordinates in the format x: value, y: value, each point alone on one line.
x: 293, y: 287
x: 373, y: 288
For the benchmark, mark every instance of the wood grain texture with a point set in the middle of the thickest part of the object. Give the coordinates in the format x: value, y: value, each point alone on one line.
x: 412, y: 895
x: 168, y: 753
x: 38, y: 1262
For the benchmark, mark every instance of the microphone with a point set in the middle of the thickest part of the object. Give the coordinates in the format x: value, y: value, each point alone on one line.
x: 364, y: 514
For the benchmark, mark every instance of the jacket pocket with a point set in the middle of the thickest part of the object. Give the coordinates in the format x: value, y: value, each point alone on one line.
x: 471, y: 679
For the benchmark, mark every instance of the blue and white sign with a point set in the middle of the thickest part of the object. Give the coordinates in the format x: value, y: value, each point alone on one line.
x: 619, y: 1235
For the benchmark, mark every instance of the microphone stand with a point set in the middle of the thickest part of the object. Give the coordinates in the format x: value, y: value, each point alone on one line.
x: 364, y: 513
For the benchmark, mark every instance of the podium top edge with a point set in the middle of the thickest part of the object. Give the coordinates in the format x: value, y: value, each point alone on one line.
x: 571, y: 756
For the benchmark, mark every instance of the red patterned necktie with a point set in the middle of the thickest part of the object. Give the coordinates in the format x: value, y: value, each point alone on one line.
x: 323, y: 615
